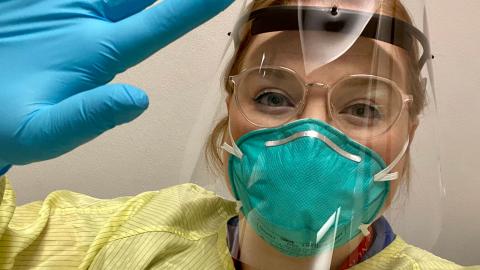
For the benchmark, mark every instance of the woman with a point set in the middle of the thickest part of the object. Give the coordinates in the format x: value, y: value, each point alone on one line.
x: 184, y: 227
x: 278, y: 88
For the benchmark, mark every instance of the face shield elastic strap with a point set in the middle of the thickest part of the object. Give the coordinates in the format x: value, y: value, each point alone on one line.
x: 379, y: 27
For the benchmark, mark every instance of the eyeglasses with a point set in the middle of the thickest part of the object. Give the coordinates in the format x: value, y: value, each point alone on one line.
x: 362, y: 106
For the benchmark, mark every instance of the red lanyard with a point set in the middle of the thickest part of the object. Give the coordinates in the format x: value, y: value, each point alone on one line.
x: 356, y: 256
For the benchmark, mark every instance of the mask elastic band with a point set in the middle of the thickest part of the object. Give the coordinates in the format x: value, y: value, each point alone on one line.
x: 364, y: 229
x: 316, y: 135
x: 232, y: 149
x: 239, y: 206
x: 384, y: 175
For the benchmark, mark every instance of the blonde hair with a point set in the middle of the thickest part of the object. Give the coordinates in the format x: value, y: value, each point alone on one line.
x: 392, y: 8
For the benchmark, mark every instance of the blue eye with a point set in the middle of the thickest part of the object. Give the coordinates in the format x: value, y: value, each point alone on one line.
x: 273, y: 99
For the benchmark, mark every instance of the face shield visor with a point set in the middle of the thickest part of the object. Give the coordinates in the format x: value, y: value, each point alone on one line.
x: 323, y: 127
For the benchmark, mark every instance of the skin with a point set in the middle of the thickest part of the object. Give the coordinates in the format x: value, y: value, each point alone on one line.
x: 284, y: 49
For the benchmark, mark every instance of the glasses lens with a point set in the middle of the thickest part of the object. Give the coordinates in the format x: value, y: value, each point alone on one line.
x: 269, y: 97
x: 364, y: 106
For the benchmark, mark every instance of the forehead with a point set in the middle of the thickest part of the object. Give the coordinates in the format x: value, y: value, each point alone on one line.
x: 311, y: 60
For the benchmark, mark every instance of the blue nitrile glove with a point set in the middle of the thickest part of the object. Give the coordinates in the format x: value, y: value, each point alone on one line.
x: 56, y: 57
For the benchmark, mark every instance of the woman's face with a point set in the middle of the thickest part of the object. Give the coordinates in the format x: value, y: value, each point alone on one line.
x: 365, y: 57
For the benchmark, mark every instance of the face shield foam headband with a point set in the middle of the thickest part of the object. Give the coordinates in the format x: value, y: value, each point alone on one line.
x: 306, y: 18
x: 306, y: 187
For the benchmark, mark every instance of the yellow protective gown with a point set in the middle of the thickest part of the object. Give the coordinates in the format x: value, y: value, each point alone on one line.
x: 182, y: 227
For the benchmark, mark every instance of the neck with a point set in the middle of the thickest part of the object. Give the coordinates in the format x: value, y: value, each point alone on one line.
x: 256, y: 254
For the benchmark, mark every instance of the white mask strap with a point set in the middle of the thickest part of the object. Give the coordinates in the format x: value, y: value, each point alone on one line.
x: 232, y: 149
x: 385, y: 174
x: 364, y: 227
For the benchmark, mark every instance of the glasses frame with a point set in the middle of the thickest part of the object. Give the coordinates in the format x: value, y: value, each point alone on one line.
x: 235, y: 80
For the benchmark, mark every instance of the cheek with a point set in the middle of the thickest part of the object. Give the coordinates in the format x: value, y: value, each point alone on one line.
x: 390, y: 144
x: 397, y: 184
x: 238, y: 126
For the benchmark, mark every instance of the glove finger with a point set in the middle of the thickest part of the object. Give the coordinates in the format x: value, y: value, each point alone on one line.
x: 116, y: 10
x: 65, y: 126
x: 144, y: 33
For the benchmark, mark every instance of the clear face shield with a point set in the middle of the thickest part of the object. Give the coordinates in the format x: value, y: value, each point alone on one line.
x: 324, y: 132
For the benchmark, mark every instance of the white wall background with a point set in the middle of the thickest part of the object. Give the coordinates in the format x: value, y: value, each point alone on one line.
x: 148, y: 153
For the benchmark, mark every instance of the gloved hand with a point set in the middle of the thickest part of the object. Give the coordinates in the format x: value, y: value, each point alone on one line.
x: 56, y: 57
